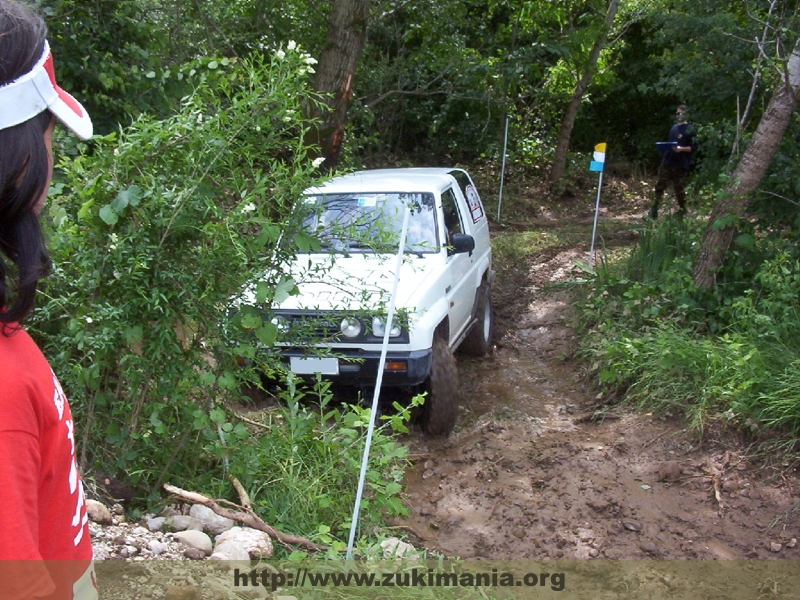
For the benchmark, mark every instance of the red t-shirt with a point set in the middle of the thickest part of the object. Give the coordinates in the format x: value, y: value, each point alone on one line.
x: 42, y: 509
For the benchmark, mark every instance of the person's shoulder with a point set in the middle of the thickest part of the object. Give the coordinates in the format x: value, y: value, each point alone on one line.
x: 18, y: 351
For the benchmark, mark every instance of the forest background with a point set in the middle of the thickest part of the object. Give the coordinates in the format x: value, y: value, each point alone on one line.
x: 211, y: 118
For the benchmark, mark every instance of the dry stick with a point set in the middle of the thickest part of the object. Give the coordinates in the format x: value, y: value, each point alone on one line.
x: 244, y: 498
x: 256, y: 423
x: 243, y: 515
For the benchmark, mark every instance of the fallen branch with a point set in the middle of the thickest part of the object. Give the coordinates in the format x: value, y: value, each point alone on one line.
x: 245, y: 516
x: 243, y: 497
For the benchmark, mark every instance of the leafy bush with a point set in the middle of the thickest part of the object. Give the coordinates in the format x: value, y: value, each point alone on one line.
x: 151, y: 236
x: 650, y: 334
x: 302, y: 475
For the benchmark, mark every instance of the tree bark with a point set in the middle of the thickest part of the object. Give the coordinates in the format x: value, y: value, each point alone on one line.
x: 568, y: 122
x: 347, y: 31
x: 748, y: 174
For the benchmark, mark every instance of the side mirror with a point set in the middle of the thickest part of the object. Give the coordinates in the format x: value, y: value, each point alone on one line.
x: 460, y: 243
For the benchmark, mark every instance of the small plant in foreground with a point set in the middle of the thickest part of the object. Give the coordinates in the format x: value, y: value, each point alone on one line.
x: 302, y: 474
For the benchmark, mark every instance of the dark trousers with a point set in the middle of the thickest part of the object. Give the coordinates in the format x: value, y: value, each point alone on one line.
x: 675, y: 176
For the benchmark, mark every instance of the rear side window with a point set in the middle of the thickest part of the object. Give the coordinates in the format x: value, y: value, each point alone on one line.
x: 470, y: 193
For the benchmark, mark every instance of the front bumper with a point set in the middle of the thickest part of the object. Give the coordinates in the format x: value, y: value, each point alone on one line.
x: 360, y: 367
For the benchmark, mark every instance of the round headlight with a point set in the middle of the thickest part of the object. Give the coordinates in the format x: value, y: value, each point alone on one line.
x: 281, y: 322
x: 379, y: 327
x: 350, y: 327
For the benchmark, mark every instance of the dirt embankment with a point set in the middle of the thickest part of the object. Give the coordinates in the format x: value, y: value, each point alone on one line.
x: 530, y: 473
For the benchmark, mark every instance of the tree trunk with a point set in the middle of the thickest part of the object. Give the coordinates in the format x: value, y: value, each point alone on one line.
x: 347, y: 30
x: 748, y: 174
x: 565, y: 133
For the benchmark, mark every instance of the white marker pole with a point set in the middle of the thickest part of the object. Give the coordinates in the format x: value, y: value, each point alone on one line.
x: 597, y: 164
x: 502, y: 171
x: 596, y: 215
x: 381, y: 364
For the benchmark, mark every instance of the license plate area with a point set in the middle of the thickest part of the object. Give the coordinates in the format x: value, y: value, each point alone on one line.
x: 311, y: 366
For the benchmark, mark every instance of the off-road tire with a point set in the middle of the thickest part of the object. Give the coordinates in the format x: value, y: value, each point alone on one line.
x: 438, y: 414
x: 479, y: 340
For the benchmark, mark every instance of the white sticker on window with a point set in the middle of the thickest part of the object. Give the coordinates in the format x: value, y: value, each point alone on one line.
x: 474, y: 202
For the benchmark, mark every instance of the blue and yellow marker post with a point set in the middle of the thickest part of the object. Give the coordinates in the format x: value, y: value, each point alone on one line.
x: 597, y: 164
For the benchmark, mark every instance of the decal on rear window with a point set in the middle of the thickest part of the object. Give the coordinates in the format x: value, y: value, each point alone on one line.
x: 474, y: 201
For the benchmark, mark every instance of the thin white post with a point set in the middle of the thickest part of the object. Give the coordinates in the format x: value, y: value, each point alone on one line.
x: 381, y: 364
x: 502, y: 171
x: 596, y: 214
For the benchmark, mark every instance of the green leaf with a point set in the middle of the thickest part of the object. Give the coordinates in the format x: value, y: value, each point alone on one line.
x: 134, y: 334
x: 227, y: 381
x: 85, y: 210
x: 284, y: 289
x: 305, y: 242
x: 251, y: 321
x: 393, y: 488
x: 745, y: 240
x: 269, y: 234
x: 267, y: 334
x: 217, y: 415
x: 109, y: 216
x: 262, y: 292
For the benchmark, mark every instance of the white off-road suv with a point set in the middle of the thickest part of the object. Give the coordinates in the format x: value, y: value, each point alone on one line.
x: 335, y: 326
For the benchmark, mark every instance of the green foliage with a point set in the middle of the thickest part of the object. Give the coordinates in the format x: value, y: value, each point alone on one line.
x: 302, y: 475
x: 151, y: 237
x: 650, y: 334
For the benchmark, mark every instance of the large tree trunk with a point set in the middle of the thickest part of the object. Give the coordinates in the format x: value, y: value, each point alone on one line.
x: 748, y: 174
x: 565, y: 133
x: 347, y: 30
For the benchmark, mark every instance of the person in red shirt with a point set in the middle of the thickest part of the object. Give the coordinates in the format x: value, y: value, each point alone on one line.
x: 45, y: 549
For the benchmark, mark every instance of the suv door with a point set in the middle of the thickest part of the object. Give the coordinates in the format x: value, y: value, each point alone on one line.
x: 458, y: 293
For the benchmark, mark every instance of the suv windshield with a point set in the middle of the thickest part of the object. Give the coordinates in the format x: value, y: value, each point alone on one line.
x: 371, y: 222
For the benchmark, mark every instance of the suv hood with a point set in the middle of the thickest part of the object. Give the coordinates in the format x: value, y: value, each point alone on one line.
x: 337, y: 282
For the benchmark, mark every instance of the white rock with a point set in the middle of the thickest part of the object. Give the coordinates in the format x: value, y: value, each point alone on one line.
x: 230, y: 551
x: 213, y: 524
x: 98, y: 512
x: 195, y: 539
x: 182, y: 523
x: 395, y: 548
x: 155, y: 523
x: 243, y: 542
x: 156, y: 547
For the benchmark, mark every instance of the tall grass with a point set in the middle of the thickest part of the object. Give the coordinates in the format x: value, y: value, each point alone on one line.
x: 647, y: 333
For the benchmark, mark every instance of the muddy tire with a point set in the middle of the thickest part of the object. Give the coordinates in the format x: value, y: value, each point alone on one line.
x: 438, y: 414
x: 479, y: 340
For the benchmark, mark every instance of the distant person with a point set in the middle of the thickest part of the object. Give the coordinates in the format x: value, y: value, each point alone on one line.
x: 677, y: 162
x: 45, y: 549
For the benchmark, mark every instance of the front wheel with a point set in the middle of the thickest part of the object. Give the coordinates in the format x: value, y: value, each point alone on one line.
x: 439, y: 412
x: 479, y: 340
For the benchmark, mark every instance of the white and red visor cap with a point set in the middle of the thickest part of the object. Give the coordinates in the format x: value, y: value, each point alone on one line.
x: 37, y: 91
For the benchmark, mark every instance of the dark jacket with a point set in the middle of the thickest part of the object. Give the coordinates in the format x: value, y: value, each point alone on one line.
x: 683, y: 134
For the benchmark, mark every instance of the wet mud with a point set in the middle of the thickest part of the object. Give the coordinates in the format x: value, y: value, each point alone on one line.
x: 534, y: 471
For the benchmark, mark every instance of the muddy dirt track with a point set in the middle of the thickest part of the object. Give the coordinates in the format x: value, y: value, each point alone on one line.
x: 533, y: 472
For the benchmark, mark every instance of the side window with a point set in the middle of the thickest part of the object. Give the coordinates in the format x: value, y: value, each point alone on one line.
x: 470, y: 193
x: 452, y: 222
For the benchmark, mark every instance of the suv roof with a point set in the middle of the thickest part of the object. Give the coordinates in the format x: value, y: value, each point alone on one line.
x: 421, y: 179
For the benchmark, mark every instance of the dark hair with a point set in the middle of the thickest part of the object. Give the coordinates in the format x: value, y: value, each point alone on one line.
x: 24, y: 170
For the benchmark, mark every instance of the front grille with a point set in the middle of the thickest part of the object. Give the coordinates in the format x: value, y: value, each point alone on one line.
x: 320, y: 328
